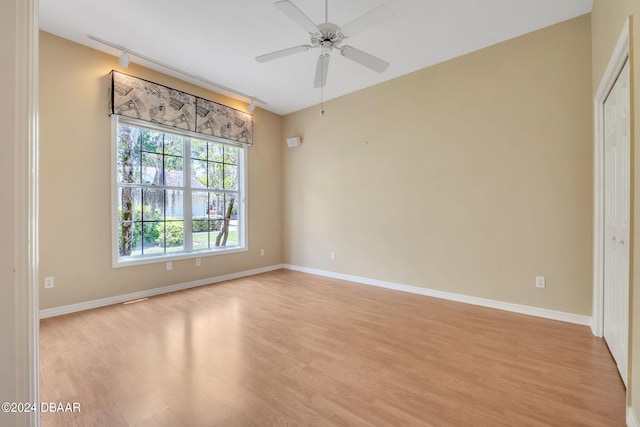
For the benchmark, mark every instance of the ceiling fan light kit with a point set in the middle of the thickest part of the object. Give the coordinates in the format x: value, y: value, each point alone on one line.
x: 328, y: 36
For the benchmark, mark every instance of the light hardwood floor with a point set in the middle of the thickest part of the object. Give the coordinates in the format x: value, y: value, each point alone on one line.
x: 287, y: 348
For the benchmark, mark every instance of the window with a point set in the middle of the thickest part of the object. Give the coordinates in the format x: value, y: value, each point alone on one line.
x: 175, y: 195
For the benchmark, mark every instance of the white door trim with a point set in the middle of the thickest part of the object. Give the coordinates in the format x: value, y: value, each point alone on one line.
x: 26, y: 208
x: 616, y: 62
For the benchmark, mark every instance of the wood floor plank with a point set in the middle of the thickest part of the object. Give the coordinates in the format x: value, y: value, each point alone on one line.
x: 287, y: 348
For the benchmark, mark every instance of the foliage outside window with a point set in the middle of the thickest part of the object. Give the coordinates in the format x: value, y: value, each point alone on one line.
x: 175, y: 194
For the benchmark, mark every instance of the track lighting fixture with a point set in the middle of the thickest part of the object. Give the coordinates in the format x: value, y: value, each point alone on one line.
x: 251, y: 106
x: 124, y: 60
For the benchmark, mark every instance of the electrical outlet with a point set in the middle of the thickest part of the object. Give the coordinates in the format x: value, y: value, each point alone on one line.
x: 540, y: 282
x: 332, y: 255
x: 261, y: 252
x: 198, y: 262
x: 169, y: 266
x: 49, y: 282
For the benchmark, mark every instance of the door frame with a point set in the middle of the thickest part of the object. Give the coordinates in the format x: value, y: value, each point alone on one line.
x: 617, y: 60
x: 26, y: 209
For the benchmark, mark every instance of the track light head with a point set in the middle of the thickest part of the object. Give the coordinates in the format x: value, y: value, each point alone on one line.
x: 124, y: 60
x: 251, y: 106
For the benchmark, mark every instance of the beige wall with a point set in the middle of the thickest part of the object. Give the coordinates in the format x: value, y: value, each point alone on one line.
x: 75, y: 230
x: 607, y: 20
x: 472, y: 176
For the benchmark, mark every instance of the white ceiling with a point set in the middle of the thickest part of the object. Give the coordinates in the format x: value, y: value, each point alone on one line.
x: 219, y: 39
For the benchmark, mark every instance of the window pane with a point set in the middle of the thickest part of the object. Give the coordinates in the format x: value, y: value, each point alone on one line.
x: 152, y: 204
x: 198, y: 174
x: 215, y: 224
x: 216, y: 205
x: 215, y: 176
x: 216, y: 152
x: 128, y: 237
x: 230, y: 177
x: 231, y: 155
x: 128, y: 166
x: 152, y: 169
x: 173, y: 236
x: 173, y: 174
x: 150, y: 140
x: 200, y: 234
x: 137, y: 239
x: 129, y: 204
x: 206, y: 220
x: 153, y: 238
x: 233, y: 207
x: 173, y: 145
x: 128, y: 137
x: 228, y: 221
x: 199, y: 205
x: 232, y: 239
x: 174, y: 207
x: 198, y: 149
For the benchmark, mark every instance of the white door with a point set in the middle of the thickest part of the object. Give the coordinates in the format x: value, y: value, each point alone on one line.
x: 616, y: 220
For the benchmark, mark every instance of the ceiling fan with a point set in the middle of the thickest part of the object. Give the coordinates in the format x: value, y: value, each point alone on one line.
x: 328, y: 36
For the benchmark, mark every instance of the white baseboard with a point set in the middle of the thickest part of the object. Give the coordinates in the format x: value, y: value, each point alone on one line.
x: 632, y: 420
x: 87, y: 305
x: 500, y: 305
x: 596, y: 329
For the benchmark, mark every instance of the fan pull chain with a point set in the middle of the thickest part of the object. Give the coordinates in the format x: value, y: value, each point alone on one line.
x: 322, y: 88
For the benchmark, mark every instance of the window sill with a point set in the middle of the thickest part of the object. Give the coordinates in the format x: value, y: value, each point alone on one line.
x: 157, y: 259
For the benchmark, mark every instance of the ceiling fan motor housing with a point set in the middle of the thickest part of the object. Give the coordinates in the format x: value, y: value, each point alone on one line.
x: 329, y: 36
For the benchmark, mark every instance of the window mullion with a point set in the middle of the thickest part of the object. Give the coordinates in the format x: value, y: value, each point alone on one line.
x: 187, y: 195
x: 164, y: 195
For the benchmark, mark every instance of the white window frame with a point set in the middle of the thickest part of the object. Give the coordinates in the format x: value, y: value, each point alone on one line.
x: 116, y: 260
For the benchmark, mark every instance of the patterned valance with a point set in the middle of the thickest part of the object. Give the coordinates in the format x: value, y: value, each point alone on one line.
x: 152, y: 102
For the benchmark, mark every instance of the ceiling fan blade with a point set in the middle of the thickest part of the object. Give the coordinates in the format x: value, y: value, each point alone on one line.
x: 297, y: 16
x: 370, y: 19
x: 364, y: 58
x: 280, y: 53
x: 321, y: 70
